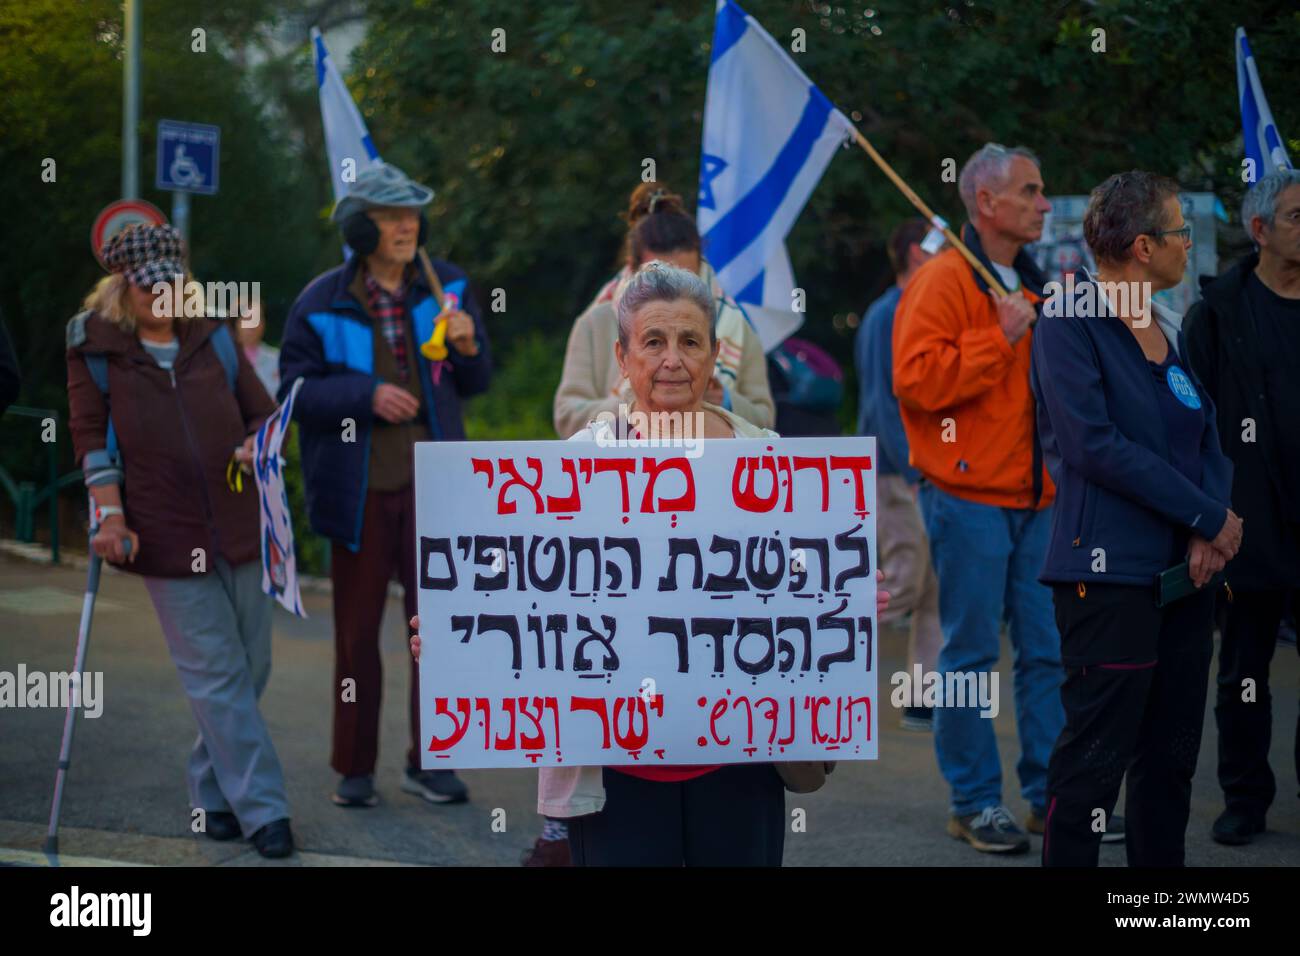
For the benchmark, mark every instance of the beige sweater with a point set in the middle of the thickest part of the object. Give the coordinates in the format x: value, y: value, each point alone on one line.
x: 592, y: 382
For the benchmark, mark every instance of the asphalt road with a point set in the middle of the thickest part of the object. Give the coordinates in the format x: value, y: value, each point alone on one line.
x: 126, y: 799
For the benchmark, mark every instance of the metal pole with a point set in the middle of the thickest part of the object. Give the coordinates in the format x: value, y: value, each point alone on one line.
x: 131, y: 103
x: 181, y: 214
x: 54, y: 502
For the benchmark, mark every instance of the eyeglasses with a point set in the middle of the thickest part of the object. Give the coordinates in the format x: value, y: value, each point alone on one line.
x: 1184, y: 233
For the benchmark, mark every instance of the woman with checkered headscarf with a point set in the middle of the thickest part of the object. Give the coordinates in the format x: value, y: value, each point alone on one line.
x: 163, y: 409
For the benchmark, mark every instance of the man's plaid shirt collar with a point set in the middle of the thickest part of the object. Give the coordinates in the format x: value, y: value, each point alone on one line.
x: 381, y: 299
x: 387, y: 307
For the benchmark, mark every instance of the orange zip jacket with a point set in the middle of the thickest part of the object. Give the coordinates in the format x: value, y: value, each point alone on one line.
x: 963, y: 390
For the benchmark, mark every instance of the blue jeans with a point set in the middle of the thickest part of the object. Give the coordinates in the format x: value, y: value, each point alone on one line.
x: 987, y: 560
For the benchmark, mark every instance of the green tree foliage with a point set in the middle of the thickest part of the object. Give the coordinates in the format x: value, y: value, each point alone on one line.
x: 534, y: 150
x: 518, y: 405
x: 61, y: 86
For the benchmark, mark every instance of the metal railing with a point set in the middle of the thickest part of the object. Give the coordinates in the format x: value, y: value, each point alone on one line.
x: 27, y: 496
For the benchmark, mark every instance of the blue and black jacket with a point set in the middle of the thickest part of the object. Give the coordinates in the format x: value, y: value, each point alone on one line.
x: 329, y: 342
x: 1106, y: 448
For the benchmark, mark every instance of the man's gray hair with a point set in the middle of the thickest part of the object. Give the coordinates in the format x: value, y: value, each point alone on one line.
x: 1261, y: 199
x: 988, y: 168
x: 657, y: 281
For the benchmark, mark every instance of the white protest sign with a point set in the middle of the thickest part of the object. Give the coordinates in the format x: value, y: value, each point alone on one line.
x: 279, y: 566
x: 583, y: 605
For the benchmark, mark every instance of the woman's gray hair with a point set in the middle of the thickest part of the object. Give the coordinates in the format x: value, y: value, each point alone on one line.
x: 989, y: 167
x: 657, y: 281
x: 1261, y: 199
x: 1123, y: 207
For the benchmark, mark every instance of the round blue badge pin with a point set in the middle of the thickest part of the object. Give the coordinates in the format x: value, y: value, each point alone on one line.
x: 1182, y: 387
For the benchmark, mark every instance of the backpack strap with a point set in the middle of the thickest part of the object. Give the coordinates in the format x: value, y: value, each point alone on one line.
x: 225, y: 346
x: 76, y: 329
x: 97, y: 366
x: 109, y: 457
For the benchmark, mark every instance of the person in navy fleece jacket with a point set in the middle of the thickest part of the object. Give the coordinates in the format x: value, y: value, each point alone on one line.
x: 1129, y: 437
x: 369, y: 394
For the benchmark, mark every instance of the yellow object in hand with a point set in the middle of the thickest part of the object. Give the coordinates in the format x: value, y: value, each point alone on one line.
x: 435, y: 350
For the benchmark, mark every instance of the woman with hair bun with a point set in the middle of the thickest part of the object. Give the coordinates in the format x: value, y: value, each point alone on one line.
x: 659, y: 227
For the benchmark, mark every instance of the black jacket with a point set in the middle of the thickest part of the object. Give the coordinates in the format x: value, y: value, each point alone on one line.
x: 1224, y: 350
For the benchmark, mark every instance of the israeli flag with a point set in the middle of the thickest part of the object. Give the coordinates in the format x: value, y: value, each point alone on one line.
x: 1262, y: 141
x: 346, y: 137
x: 768, y: 137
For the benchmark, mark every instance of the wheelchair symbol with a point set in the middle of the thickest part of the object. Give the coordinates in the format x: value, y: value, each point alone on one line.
x: 183, y: 170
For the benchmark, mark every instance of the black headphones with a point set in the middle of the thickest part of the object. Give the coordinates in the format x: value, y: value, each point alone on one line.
x: 362, y: 235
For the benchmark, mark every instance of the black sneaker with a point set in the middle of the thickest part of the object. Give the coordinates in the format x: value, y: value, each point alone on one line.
x: 275, y: 840
x: 1236, y: 827
x: 992, y: 830
x: 356, y: 792
x: 221, y: 825
x: 436, y: 786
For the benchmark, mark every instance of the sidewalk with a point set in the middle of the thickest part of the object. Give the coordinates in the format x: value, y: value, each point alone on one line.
x: 125, y: 801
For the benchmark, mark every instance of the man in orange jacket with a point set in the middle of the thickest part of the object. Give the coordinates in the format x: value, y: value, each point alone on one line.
x: 961, y: 374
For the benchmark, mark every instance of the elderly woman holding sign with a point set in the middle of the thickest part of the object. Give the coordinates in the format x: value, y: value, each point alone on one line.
x: 728, y: 815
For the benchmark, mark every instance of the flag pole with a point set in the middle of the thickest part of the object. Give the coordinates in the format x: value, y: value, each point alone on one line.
x: 925, y: 211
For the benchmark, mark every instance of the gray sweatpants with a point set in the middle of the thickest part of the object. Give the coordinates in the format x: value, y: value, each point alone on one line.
x: 218, y: 629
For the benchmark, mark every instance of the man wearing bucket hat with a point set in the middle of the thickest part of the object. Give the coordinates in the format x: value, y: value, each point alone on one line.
x: 161, y: 408
x: 387, y: 345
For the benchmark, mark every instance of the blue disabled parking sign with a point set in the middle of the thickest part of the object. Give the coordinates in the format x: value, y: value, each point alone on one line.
x: 188, y: 157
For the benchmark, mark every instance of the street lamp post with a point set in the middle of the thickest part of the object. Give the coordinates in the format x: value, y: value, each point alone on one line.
x: 131, y: 103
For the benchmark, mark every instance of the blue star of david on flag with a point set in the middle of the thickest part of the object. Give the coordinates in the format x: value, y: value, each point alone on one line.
x: 711, y: 168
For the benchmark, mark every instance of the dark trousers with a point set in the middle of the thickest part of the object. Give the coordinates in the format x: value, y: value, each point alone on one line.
x: 734, y: 816
x: 1249, y: 636
x: 1136, y: 677
x: 360, y: 592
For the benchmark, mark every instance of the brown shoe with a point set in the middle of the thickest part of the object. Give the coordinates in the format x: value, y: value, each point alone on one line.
x: 1035, y: 824
x: 548, y: 853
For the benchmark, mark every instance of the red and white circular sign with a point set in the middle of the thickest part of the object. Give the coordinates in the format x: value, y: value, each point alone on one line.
x: 117, y: 215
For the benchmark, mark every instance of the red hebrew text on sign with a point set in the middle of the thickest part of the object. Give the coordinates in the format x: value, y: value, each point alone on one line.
x: 773, y: 474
